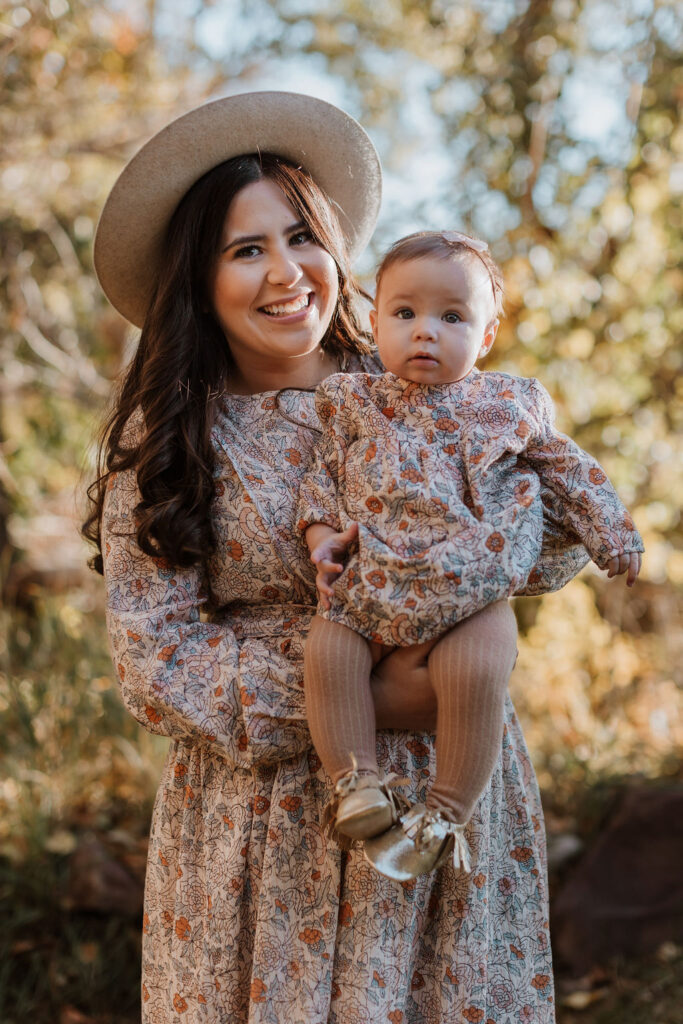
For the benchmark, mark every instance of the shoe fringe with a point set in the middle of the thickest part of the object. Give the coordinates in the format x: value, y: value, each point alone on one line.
x: 461, y: 850
x: 423, y: 826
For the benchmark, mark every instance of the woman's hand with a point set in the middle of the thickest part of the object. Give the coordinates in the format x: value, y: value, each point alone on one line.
x: 401, y: 690
x: 328, y: 550
x: 630, y: 563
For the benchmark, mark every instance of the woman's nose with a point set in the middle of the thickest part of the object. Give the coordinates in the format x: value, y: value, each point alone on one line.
x: 283, y: 269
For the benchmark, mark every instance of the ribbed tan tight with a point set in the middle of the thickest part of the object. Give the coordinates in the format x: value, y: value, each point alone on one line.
x: 469, y: 668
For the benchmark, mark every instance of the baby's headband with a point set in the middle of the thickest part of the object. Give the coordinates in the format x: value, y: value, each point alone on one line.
x: 472, y: 243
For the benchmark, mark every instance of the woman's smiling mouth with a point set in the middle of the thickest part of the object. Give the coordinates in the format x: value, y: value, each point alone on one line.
x: 289, y: 308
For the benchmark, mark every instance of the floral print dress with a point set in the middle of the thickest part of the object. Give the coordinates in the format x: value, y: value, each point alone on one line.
x: 449, y: 484
x: 252, y: 915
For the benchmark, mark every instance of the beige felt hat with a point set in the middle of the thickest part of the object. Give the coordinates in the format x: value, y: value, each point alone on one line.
x: 324, y: 140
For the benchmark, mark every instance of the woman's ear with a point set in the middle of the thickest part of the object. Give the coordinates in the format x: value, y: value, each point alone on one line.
x: 489, y: 337
x: 373, y: 323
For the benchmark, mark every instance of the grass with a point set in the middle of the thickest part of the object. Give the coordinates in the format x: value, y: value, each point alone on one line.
x: 58, y: 965
x: 73, y: 766
x: 647, y: 991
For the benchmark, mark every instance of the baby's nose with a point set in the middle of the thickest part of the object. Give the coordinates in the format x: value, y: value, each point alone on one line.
x: 424, y: 330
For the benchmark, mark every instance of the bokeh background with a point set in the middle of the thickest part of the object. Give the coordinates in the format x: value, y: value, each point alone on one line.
x: 550, y: 128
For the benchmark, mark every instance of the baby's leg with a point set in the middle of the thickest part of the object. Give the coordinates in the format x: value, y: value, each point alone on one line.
x: 469, y: 668
x: 339, y: 705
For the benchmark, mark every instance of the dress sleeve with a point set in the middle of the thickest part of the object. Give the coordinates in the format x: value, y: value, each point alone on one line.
x: 179, y: 675
x: 590, y: 504
x: 318, y: 497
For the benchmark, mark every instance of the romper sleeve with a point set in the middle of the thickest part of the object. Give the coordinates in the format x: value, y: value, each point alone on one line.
x: 179, y: 675
x: 591, y: 507
x: 318, y: 497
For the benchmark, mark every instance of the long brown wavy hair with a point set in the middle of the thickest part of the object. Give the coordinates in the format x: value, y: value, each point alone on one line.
x: 179, y: 372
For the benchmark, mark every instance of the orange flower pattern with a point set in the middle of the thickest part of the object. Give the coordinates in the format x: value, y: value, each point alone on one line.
x: 496, y: 501
x: 251, y: 913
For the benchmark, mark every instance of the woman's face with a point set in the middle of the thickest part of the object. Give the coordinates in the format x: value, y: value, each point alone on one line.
x: 274, y: 288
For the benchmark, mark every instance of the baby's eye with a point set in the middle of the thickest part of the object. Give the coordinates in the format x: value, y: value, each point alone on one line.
x: 404, y: 314
x: 300, y: 238
x: 246, y: 252
x: 452, y: 318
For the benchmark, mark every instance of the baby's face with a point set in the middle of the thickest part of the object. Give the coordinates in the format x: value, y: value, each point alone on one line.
x: 434, y: 318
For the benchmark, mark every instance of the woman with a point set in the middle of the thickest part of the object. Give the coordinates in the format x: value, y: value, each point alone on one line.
x: 236, y: 268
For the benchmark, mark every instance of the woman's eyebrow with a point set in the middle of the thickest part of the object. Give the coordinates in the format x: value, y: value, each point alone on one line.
x: 250, y: 239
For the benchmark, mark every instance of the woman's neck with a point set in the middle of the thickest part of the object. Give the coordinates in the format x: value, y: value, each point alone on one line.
x: 306, y: 371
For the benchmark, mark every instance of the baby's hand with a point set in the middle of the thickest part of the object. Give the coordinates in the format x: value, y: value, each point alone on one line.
x: 629, y: 562
x: 327, y: 555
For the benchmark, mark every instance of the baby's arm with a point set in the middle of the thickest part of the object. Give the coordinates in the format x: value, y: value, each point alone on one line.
x: 630, y: 563
x: 327, y: 546
x: 318, y: 510
x: 592, y: 505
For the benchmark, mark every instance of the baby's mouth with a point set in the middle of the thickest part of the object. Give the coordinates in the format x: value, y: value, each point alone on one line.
x: 423, y: 357
x: 288, y: 308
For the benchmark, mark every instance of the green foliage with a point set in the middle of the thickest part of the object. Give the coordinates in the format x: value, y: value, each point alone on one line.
x: 72, y: 765
x: 71, y: 757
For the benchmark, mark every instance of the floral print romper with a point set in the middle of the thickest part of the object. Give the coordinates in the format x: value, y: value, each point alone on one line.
x: 449, y: 484
x: 252, y: 915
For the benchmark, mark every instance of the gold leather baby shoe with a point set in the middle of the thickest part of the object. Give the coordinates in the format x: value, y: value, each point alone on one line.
x: 362, y: 806
x: 421, y: 842
x: 365, y: 812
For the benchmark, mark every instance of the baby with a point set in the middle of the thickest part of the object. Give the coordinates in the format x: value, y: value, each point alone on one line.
x: 437, y: 470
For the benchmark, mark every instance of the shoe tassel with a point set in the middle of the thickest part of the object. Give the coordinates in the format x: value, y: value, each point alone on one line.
x: 426, y: 827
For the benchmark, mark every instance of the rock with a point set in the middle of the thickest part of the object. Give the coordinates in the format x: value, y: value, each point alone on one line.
x: 99, y: 882
x: 50, y: 556
x: 562, y: 849
x: 625, y: 897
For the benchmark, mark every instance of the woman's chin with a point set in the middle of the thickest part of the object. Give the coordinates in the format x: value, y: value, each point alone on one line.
x: 297, y: 340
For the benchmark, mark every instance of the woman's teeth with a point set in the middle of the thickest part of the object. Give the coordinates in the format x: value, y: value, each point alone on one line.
x: 287, y: 308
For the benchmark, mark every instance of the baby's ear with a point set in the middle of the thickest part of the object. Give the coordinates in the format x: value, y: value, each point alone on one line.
x: 373, y: 322
x: 489, y: 337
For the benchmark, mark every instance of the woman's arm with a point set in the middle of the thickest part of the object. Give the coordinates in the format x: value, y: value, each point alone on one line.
x: 179, y: 676
x: 401, y: 691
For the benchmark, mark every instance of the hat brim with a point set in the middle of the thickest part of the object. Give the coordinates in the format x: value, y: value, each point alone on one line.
x: 334, y: 149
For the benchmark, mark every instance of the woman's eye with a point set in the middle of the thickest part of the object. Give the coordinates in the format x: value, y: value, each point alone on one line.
x: 452, y: 318
x: 300, y: 238
x: 404, y: 314
x: 246, y: 252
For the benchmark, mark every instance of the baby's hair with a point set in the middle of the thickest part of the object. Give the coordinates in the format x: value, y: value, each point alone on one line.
x: 444, y: 245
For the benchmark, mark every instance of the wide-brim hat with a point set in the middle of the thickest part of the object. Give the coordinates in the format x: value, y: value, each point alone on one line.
x: 309, y: 132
